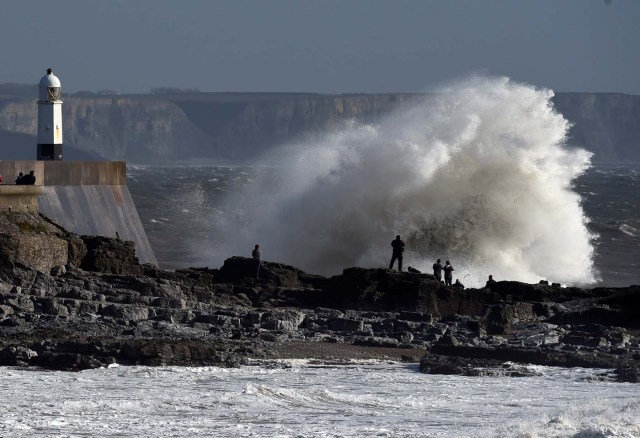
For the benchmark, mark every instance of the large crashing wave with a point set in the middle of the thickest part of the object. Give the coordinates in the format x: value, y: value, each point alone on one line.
x: 477, y: 174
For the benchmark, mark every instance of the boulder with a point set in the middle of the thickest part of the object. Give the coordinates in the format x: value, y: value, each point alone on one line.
x: 242, y: 269
x: 497, y: 320
x: 114, y: 256
x: 19, y: 303
x: 17, y: 356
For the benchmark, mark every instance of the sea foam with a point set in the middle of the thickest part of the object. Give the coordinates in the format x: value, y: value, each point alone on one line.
x: 477, y: 173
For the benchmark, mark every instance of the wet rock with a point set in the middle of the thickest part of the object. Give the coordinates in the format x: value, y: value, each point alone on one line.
x: 629, y: 371
x: 17, y: 356
x: 378, y: 341
x: 452, y: 365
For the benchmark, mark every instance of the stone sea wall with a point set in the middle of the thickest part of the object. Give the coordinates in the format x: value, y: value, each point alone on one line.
x: 86, y: 197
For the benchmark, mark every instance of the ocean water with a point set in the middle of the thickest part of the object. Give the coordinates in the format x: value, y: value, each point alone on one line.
x: 304, y: 400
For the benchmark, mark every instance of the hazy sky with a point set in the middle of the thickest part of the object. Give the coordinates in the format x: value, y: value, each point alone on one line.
x: 320, y: 46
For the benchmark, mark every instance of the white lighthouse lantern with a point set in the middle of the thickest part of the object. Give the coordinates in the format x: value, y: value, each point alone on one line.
x: 50, y: 118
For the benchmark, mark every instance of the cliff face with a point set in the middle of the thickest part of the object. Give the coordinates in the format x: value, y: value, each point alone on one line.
x: 142, y: 129
x: 607, y: 124
x: 241, y: 129
x: 163, y: 129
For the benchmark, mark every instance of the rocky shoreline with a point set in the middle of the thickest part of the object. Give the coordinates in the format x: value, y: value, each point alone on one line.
x: 72, y: 302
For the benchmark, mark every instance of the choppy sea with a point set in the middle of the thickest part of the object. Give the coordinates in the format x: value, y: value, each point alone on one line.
x: 300, y: 399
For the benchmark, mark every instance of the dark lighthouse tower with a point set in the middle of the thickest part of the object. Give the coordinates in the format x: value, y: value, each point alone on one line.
x: 50, y: 118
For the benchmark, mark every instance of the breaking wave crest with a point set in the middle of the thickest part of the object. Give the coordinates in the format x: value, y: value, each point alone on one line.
x: 477, y: 173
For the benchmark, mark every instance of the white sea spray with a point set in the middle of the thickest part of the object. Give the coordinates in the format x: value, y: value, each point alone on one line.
x: 477, y: 173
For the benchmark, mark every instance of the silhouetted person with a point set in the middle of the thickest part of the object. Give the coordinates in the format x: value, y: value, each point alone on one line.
x: 257, y: 256
x: 458, y: 285
x: 437, y: 270
x: 29, y: 179
x: 1, y: 180
x: 398, y: 249
x: 448, y: 273
x: 490, y: 282
x: 19, y: 178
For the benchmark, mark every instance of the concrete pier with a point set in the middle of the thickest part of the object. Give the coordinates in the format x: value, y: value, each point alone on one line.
x: 19, y: 198
x: 85, y: 197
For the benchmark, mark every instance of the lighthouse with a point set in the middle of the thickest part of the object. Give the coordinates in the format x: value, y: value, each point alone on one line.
x: 50, y: 118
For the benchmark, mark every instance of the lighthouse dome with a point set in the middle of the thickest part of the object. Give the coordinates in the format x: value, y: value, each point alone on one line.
x: 50, y: 88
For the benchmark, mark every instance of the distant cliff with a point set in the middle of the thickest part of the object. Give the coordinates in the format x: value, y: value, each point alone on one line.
x: 141, y: 129
x: 240, y: 126
x: 607, y: 124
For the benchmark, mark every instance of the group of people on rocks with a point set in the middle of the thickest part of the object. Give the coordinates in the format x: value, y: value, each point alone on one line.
x: 397, y: 246
x: 448, y: 272
x: 438, y: 268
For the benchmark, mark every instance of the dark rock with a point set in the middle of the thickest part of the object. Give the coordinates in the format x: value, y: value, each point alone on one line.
x: 531, y: 356
x: 415, y: 316
x: 629, y: 371
x: 497, y: 320
x: 138, y: 314
x: 376, y: 341
x: 58, y: 270
x: 345, y: 325
x: 241, y: 269
x: 385, y: 290
x: 114, y: 256
x: 19, y: 303
x: 453, y: 365
x: 448, y: 339
x: 17, y: 356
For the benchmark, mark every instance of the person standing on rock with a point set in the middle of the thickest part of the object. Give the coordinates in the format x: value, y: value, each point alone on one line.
x: 437, y: 270
x: 448, y: 273
x: 398, y: 249
x: 257, y: 256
